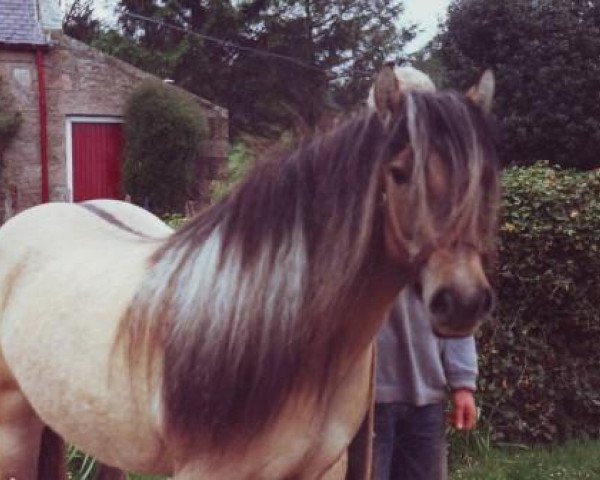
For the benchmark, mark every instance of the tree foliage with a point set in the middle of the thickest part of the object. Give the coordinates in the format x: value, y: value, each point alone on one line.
x: 80, y: 22
x: 163, y: 131
x: 334, y: 45
x: 546, y: 56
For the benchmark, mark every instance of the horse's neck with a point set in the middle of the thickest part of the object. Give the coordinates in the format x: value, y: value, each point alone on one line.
x: 367, y: 311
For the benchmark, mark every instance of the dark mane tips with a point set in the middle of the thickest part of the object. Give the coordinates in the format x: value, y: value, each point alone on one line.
x: 236, y: 298
x: 240, y: 304
x: 238, y: 307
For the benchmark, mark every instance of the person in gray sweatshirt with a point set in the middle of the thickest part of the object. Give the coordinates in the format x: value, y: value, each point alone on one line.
x: 416, y: 372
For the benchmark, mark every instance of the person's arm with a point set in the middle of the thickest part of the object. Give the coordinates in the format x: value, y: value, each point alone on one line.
x: 463, y: 415
x: 459, y: 357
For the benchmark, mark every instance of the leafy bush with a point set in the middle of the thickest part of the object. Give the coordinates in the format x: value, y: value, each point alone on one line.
x: 163, y: 130
x: 239, y: 162
x: 174, y: 221
x: 10, y: 120
x: 540, y: 358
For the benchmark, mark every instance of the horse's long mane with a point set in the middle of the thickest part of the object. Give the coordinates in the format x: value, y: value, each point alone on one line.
x: 244, y: 301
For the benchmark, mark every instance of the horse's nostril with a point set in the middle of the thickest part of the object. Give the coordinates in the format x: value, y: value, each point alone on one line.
x: 449, y: 304
x: 443, y: 302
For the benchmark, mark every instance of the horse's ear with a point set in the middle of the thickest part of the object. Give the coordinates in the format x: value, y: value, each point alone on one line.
x: 387, y: 96
x: 482, y: 94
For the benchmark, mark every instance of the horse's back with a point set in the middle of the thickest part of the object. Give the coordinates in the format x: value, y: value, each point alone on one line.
x: 88, y: 219
x: 67, y: 275
x: 127, y: 214
x: 97, y: 230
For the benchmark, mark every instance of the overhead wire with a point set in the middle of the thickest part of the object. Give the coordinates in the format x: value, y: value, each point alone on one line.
x: 251, y: 50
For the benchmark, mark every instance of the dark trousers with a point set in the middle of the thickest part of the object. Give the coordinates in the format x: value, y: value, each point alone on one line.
x: 410, y: 442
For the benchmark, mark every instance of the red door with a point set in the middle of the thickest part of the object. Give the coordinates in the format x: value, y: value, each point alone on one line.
x: 97, y: 158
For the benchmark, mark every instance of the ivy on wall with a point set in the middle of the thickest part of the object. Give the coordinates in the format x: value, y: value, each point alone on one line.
x: 10, y: 120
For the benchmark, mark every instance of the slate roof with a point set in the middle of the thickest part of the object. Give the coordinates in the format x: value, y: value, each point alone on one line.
x: 19, y: 24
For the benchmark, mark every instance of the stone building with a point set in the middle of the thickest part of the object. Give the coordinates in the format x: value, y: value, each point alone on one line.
x: 71, y: 98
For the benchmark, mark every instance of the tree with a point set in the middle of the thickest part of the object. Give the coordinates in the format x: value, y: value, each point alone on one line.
x: 332, y: 47
x: 162, y: 45
x: 79, y: 21
x: 340, y: 43
x: 546, y: 56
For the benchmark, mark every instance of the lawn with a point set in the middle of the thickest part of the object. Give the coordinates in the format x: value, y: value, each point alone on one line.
x: 568, y: 462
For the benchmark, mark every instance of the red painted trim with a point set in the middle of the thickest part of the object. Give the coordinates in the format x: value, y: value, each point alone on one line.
x: 43, y: 108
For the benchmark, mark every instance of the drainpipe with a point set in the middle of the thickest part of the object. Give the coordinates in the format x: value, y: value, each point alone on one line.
x: 43, y: 109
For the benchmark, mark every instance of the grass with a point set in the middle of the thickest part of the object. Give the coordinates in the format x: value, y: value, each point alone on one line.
x: 83, y: 467
x: 572, y: 461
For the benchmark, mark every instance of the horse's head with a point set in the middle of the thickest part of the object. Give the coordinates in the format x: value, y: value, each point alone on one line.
x: 439, y: 195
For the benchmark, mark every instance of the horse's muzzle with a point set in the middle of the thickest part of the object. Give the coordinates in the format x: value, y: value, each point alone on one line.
x: 456, y: 314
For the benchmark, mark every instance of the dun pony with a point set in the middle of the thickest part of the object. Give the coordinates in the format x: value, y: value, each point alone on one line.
x: 240, y: 345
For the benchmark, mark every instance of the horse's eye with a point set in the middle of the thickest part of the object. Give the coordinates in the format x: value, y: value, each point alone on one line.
x: 400, y: 175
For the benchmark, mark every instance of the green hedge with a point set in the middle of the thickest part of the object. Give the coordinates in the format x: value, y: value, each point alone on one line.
x: 540, y: 356
x: 163, y: 130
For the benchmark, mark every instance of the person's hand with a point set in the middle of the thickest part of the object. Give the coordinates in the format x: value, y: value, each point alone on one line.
x: 463, y: 415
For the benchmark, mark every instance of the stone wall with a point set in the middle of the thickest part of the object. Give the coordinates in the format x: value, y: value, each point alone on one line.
x: 80, y: 81
x: 20, y: 184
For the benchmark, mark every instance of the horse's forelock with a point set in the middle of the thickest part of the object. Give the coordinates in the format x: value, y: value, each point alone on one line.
x: 459, y: 132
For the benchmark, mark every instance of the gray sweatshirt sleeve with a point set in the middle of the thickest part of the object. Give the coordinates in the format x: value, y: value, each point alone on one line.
x: 459, y: 358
